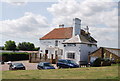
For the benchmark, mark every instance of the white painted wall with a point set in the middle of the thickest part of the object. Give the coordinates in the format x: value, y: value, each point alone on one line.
x: 72, y: 49
x: 44, y: 44
x: 85, y: 50
x: 81, y: 51
x: 76, y: 27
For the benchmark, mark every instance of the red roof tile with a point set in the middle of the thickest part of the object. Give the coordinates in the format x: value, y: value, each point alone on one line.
x: 59, y: 33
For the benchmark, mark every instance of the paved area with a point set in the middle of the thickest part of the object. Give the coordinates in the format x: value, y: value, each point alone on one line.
x: 29, y: 66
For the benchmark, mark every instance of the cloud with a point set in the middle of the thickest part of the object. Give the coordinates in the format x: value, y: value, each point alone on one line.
x: 15, y: 2
x: 90, y: 12
x: 30, y: 26
x: 100, y: 16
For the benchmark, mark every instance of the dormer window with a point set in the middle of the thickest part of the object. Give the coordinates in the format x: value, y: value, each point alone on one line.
x: 56, y: 43
x: 72, y: 44
x: 90, y: 45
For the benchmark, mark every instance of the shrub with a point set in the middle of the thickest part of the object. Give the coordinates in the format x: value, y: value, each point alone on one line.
x: 101, y: 62
x: 117, y: 61
x: 9, y: 53
x: 106, y: 62
x: 15, y: 56
x: 97, y: 62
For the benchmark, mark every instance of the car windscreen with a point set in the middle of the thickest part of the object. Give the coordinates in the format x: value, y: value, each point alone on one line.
x: 18, y: 64
x: 63, y: 61
x: 47, y: 64
x: 71, y: 62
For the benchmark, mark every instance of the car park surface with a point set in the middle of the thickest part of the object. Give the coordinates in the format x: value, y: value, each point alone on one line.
x: 29, y: 66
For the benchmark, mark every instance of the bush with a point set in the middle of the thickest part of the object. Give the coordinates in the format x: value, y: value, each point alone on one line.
x: 97, y: 62
x: 106, y: 63
x: 118, y: 61
x: 9, y: 53
x: 101, y: 62
x: 13, y: 56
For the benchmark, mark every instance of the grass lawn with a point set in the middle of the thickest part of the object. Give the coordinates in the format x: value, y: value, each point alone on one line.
x: 109, y: 72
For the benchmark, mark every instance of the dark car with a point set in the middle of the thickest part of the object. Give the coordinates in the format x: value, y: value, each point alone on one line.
x: 16, y: 66
x: 2, y: 62
x: 45, y: 65
x: 62, y: 63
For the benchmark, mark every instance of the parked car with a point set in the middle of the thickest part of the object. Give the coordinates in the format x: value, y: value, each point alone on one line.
x: 16, y: 66
x: 62, y: 63
x: 45, y: 65
x: 9, y: 62
x: 2, y: 62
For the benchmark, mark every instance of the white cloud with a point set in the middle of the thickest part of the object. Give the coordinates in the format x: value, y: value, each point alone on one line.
x: 30, y: 26
x: 100, y: 16
x: 90, y: 12
x: 15, y: 2
x: 94, y: 13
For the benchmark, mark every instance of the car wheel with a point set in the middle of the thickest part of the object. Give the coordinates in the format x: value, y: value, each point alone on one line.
x: 58, y: 67
x: 39, y: 68
x: 10, y: 68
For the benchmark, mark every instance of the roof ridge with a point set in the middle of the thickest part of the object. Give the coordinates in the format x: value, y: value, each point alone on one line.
x: 59, y: 33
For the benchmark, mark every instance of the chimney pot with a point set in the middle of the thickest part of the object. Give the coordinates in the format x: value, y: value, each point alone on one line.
x: 61, y: 26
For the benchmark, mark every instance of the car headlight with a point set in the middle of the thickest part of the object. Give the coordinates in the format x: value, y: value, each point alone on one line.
x: 71, y: 65
x: 13, y: 67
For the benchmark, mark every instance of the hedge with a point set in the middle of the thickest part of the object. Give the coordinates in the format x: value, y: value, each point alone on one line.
x: 14, y: 56
x: 101, y: 62
x: 14, y: 53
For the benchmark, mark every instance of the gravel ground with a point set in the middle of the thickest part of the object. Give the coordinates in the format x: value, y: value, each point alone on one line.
x: 29, y: 66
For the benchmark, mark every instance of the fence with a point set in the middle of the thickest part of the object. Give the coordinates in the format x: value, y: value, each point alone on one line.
x: 36, y: 58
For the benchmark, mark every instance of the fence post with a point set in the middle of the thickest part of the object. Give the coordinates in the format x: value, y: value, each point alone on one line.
x: 30, y: 57
x: 51, y: 58
x: 56, y: 58
x: 45, y: 57
x: 40, y: 56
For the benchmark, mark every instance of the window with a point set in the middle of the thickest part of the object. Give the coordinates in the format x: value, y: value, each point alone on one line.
x: 61, y: 52
x: 110, y: 56
x: 56, y: 52
x: 90, y: 45
x: 46, y: 51
x: 71, y: 55
x: 104, y: 55
x: 63, y: 61
x: 56, y: 43
x: 71, y: 44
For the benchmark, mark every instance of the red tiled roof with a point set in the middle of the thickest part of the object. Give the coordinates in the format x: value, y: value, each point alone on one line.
x: 59, y: 33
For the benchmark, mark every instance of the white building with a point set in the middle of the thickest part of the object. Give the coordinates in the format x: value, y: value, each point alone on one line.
x: 69, y: 43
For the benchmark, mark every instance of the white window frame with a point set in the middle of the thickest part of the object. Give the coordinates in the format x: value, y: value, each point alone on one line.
x: 72, y: 56
x: 71, y: 44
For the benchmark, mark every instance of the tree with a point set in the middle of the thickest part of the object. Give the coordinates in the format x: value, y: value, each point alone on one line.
x: 10, y: 45
x: 1, y: 47
x: 26, y: 46
x: 36, y: 49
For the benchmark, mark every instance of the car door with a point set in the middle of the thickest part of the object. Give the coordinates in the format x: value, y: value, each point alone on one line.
x: 63, y: 64
x: 42, y: 65
x: 10, y: 66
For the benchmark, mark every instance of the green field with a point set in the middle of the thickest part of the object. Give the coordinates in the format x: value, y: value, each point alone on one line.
x: 109, y: 72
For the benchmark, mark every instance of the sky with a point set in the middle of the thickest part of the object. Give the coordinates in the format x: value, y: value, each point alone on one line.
x: 28, y: 21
